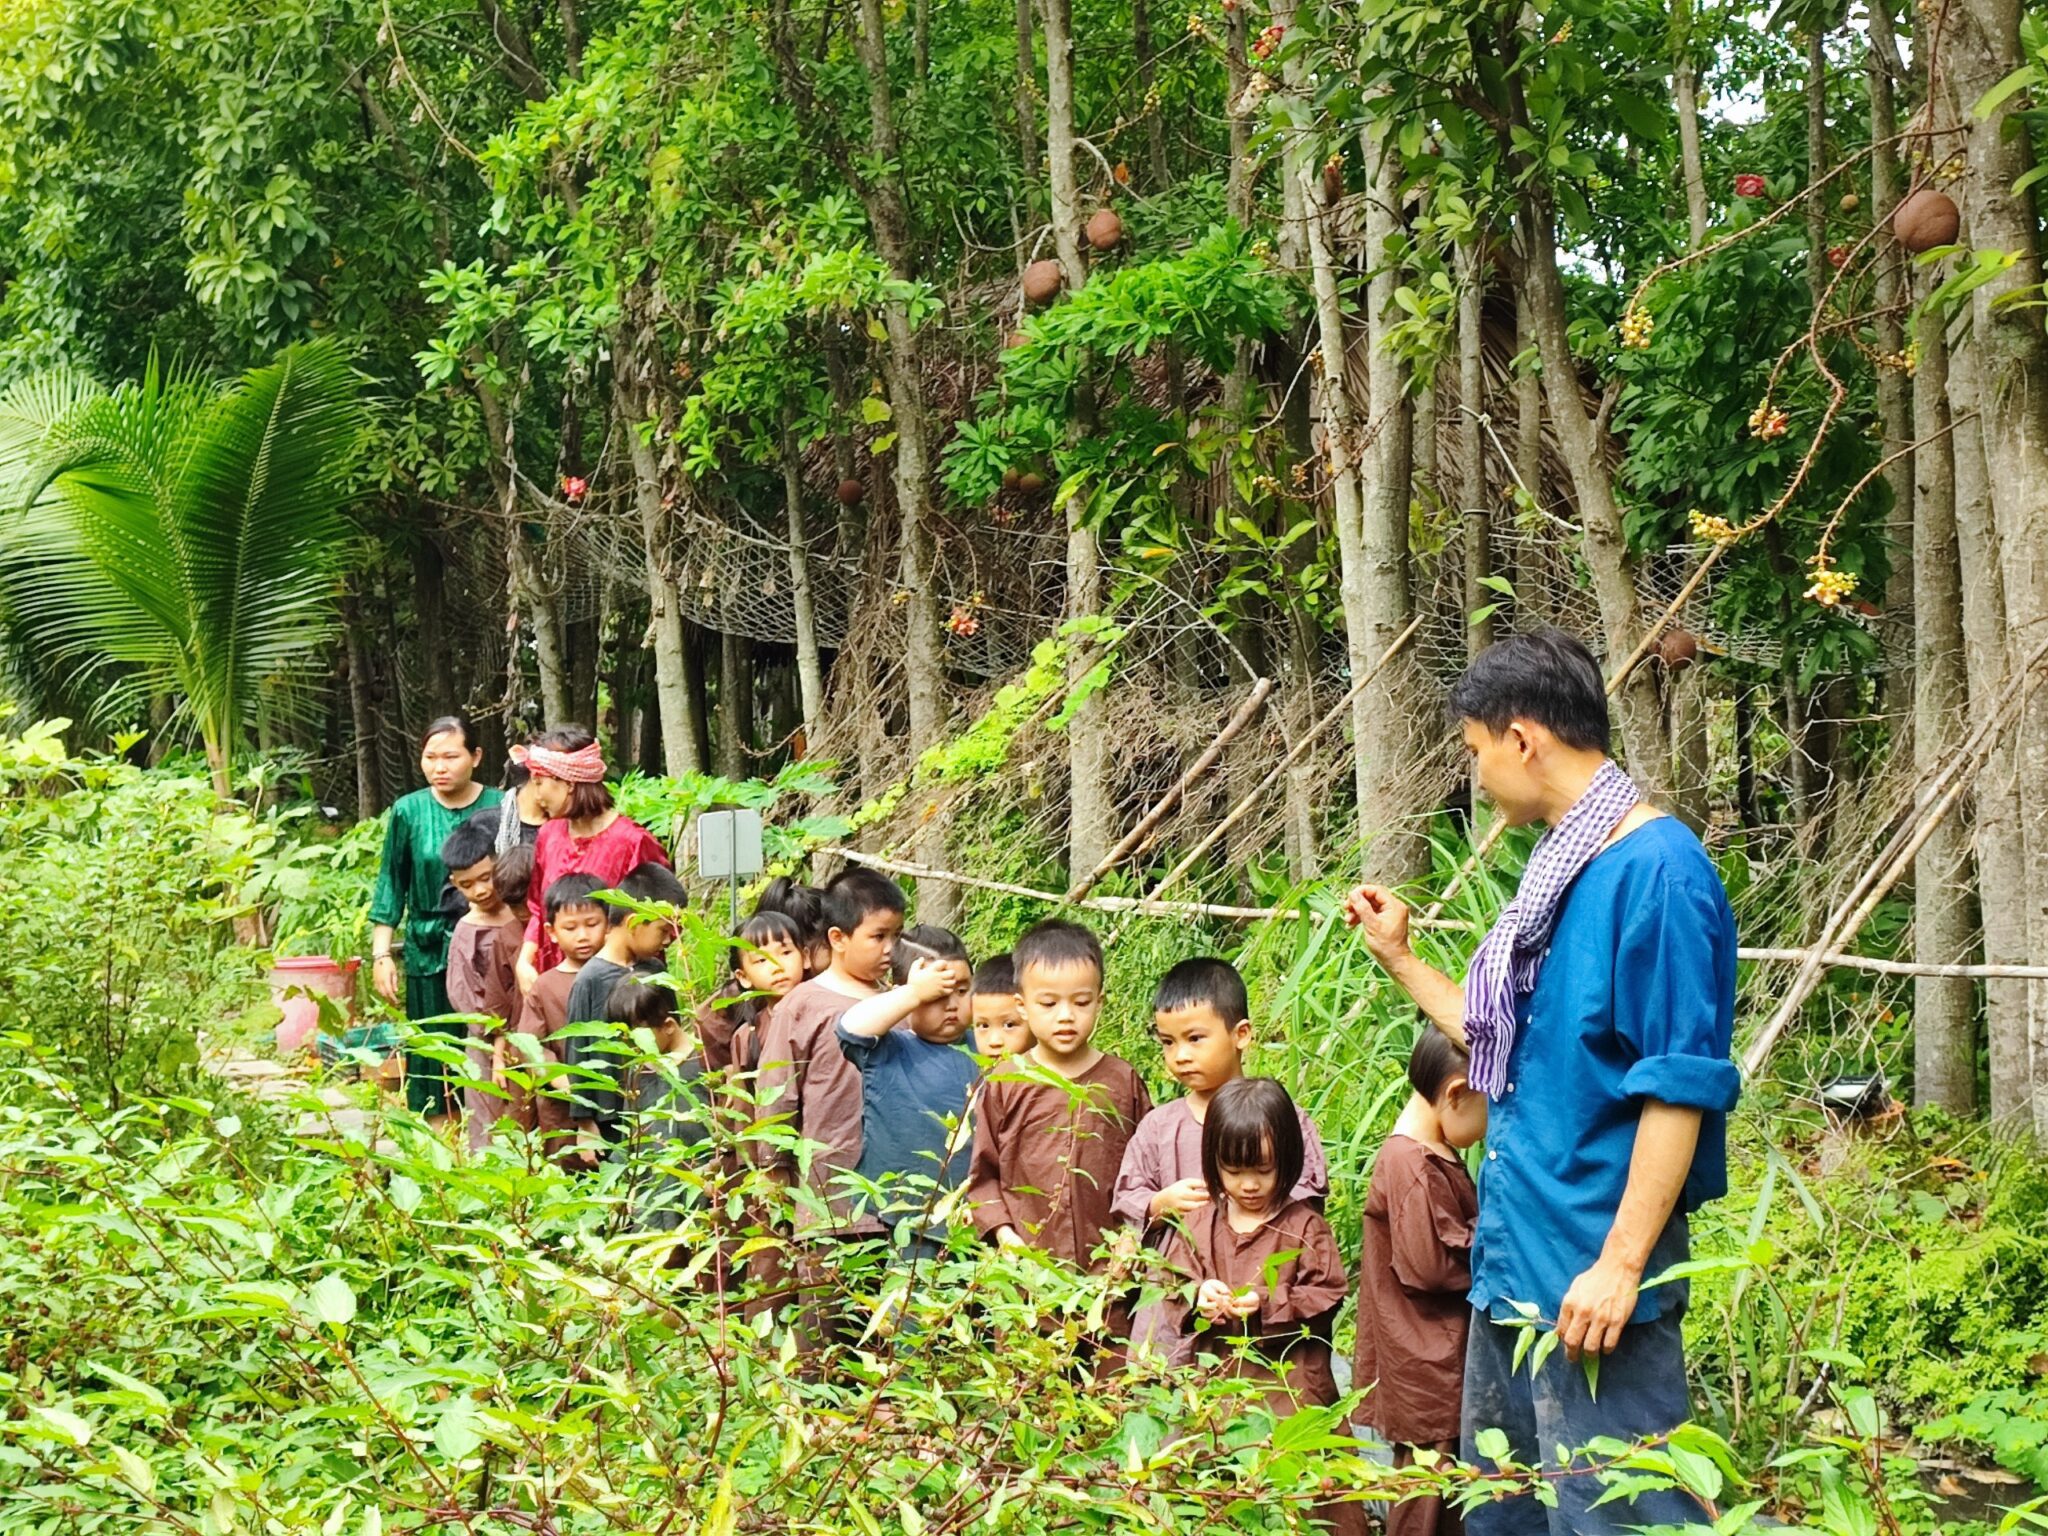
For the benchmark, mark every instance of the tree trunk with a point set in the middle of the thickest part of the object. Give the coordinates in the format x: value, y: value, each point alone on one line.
x: 696, y: 700
x: 1026, y: 96
x: 1685, y: 95
x: 1478, y: 508
x: 1944, y: 1037
x: 1533, y: 604
x: 430, y: 620
x: 1583, y: 438
x: 810, y: 675
x: 735, y: 706
x: 624, y: 684
x: 666, y: 624
x: 923, y: 663
x: 1091, y: 820
x: 2011, y: 366
x: 1380, y: 593
x: 2001, y: 859
x: 362, y: 716
x: 1896, y: 396
x: 585, y: 645
x: 1817, y: 269
x: 1148, y: 84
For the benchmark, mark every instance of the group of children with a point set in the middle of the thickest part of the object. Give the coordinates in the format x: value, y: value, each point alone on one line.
x: 852, y: 1032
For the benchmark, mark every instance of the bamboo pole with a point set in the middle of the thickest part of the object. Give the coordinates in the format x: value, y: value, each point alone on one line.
x: 1261, y: 689
x: 1239, y: 811
x: 1946, y: 786
x: 1144, y: 906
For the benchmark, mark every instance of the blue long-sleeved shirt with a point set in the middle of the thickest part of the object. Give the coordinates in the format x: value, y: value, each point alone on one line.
x: 1635, y: 1001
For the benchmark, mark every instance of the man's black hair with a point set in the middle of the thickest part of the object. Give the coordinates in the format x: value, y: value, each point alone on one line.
x: 1056, y: 944
x: 995, y: 977
x: 855, y: 893
x: 1546, y: 677
x: 640, y: 1004
x: 1247, y: 1117
x: 471, y: 842
x: 1208, y: 983
x: 1435, y: 1060
x: 576, y: 890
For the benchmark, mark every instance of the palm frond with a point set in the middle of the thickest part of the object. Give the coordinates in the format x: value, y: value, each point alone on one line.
x: 184, y: 538
x: 30, y: 410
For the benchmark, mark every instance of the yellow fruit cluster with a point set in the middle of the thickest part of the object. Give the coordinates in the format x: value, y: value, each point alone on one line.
x: 1636, y: 326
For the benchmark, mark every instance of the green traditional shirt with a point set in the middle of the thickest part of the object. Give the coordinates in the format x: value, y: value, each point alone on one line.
x: 411, y: 877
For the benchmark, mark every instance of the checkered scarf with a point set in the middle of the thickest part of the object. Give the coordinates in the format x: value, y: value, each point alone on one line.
x: 1504, y: 966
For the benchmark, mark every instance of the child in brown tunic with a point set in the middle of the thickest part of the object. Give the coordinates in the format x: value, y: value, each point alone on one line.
x: 1045, y: 1158
x: 1414, y: 1271
x: 481, y: 955
x: 803, y: 1080
x: 578, y: 922
x: 1255, y: 1272
x: 767, y: 965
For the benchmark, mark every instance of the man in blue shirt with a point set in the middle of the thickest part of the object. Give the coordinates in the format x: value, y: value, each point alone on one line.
x: 1599, y: 1013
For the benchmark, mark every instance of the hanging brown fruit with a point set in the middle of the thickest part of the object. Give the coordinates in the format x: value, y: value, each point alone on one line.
x: 1042, y: 281
x: 1011, y: 479
x: 1678, y: 647
x: 1030, y: 484
x: 851, y: 492
x: 1850, y: 202
x: 1333, y: 179
x: 1926, y: 219
x: 1105, y: 231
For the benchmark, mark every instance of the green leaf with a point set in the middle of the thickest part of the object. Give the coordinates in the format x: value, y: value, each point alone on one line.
x: 873, y: 409
x: 2018, y: 80
x: 67, y: 1425
x: 404, y: 1193
x: 1591, y: 1363
x: 1493, y: 1445
x: 331, y: 1301
x: 456, y: 1434
x: 136, y: 1472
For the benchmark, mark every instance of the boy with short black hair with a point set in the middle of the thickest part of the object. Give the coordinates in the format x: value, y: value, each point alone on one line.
x: 998, y: 1017
x: 633, y: 945
x: 1201, y: 1014
x: 482, y: 952
x: 1046, y: 1154
x: 805, y: 1079
x: 577, y: 922
x: 1414, y: 1270
x: 915, y: 1082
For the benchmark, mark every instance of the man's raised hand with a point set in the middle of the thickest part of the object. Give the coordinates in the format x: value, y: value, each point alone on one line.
x: 1381, y: 919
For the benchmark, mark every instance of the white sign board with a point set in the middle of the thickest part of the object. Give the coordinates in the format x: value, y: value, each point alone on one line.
x: 729, y: 844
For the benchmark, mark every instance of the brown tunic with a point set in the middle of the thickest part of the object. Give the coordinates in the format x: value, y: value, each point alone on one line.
x: 1045, y: 1161
x: 1298, y: 1296
x: 546, y: 1014
x: 1413, y: 1272
x: 804, y: 1077
x: 718, y: 1020
x: 482, y: 980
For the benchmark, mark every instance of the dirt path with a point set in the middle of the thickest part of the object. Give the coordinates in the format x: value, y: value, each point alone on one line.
x: 332, y: 1111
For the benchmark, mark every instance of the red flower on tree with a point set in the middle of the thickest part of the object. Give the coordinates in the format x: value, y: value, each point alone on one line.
x: 574, y: 488
x: 1749, y: 185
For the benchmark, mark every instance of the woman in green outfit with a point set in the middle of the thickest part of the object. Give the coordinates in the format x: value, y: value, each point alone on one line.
x: 412, y: 891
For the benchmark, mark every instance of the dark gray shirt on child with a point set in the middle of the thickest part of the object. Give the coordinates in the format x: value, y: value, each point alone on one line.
x: 914, y: 1095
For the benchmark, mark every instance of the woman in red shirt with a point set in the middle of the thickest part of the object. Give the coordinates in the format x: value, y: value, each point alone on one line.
x: 584, y: 834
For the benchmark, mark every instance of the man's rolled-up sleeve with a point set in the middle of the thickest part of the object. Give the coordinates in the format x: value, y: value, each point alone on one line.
x: 1674, y: 997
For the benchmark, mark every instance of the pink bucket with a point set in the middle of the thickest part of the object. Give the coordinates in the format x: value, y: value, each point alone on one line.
x: 292, y: 979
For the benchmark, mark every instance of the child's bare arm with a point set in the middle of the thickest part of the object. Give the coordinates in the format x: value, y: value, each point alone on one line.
x: 874, y: 1017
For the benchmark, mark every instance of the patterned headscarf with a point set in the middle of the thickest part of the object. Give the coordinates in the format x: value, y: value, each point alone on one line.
x: 583, y: 766
x: 1505, y: 965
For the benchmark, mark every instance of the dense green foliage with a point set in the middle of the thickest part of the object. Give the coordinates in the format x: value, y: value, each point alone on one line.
x: 213, y: 1327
